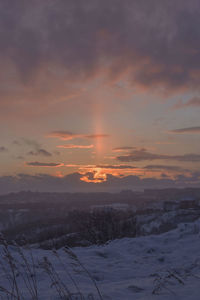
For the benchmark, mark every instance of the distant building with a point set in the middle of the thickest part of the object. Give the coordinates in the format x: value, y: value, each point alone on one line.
x: 110, y: 207
x: 189, y: 204
x: 170, y: 205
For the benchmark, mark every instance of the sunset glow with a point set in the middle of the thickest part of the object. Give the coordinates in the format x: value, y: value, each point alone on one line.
x: 100, y: 149
x: 97, y: 176
x: 112, y: 100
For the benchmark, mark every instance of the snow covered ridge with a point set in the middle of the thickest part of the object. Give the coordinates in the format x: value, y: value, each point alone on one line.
x: 165, y: 266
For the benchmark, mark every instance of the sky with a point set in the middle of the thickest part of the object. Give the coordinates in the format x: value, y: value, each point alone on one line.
x: 99, y: 94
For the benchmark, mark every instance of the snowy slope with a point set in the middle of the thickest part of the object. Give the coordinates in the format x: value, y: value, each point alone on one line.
x: 129, y: 268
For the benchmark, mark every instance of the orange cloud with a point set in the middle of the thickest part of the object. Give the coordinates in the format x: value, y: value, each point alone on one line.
x: 71, y: 146
x: 99, y: 173
x: 63, y: 135
x: 67, y: 135
x: 125, y: 148
x: 103, y: 166
x: 59, y: 174
x: 95, y: 176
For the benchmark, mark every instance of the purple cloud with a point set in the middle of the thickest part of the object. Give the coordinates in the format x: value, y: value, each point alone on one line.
x: 72, y: 183
x: 41, y: 164
x: 186, y: 130
x: 157, y: 42
x: 143, y: 155
x: 41, y: 152
x: 3, y: 149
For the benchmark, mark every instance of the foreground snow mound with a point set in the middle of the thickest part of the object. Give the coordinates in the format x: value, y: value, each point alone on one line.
x: 163, y: 267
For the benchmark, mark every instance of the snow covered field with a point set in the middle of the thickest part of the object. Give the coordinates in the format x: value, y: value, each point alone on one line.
x: 165, y: 266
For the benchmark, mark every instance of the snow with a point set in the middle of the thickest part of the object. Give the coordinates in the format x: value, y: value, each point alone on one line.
x: 128, y: 268
x: 118, y: 206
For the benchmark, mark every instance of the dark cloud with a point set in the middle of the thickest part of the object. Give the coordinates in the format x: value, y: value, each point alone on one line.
x: 72, y: 183
x: 41, y: 152
x: 41, y: 164
x: 3, y: 149
x: 27, y: 142
x: 165, y: 167
x: 186, y: 130
x: 37, y: 148
x: 158, y: 42
x: 143, y: 154
x: 140, y: 155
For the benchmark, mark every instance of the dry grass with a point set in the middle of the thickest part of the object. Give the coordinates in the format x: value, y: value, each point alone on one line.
x: 19, y: 275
